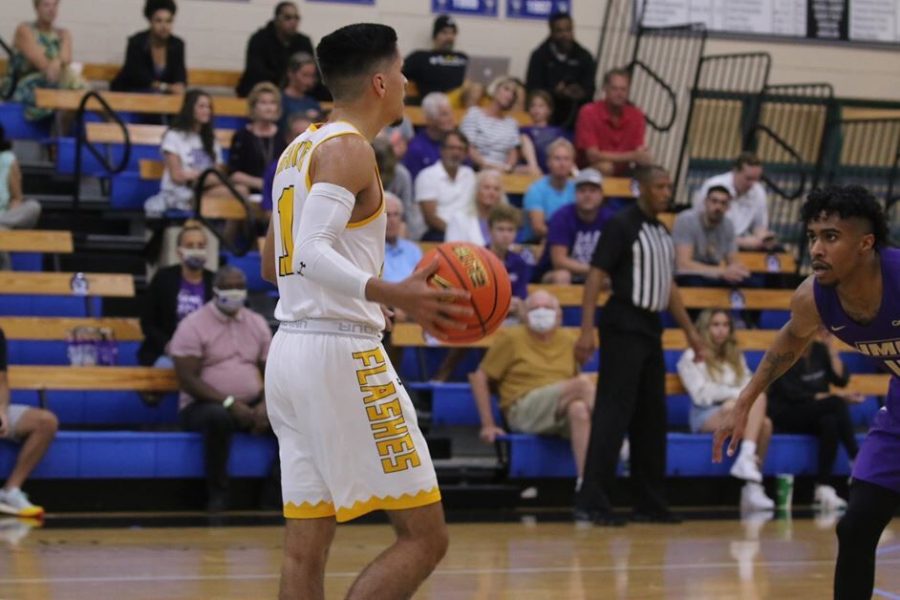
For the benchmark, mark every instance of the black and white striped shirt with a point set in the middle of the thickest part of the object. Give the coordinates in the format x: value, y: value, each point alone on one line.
x: 638, y: 255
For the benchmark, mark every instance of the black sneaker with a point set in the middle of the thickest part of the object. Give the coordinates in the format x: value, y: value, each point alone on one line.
x: 607, y: 518
x: 581, y: 515
x: 662, y: 518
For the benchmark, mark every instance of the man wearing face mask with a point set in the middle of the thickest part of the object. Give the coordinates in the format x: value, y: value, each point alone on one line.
x: 220, y: 352
x: 534, y: 367
x: 174, y: 293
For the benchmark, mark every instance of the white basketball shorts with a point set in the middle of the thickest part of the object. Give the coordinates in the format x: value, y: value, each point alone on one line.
x: 347, y: 431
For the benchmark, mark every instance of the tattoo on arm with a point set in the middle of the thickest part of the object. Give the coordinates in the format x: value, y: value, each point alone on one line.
x: 774, y: 365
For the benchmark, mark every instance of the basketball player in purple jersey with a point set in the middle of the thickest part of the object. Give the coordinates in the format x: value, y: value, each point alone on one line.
x: 854, y: 292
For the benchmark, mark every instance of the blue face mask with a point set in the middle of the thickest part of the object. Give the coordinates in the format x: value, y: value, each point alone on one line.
x: 230, y: 301
x: 193, y: 258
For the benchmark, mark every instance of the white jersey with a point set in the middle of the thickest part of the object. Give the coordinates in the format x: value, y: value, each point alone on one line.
x: 362, y: 242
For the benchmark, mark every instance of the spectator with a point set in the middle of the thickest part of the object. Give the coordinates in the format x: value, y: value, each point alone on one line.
x: 15, y: 211
x: 189, y: 147
x: 714, y: 385
x: 494, y: 139
x: 801, y: 402
x: 540, y: 132
x: 609, y: 133
x: 553, y: 191
x: 424, y: 148
x: 574, y: 231
x: 471, y: 224
x: 271, y: 47
x: 154, y: 59
x: 302, y: 78
x: 564, y: 68
x: 445, y: 187
x: 540, y: 389
x: 220, y: 354
x: 256, y: 145
x: 35, y: 429
x: 748, y: 211
x: 441, y: 69
x: 399, y: 135
x: 174, y: 293
x: 397, y: 180
x: 636, y: 256
x: 504, y: 221
x: 400, y: 255
x: 42, y: 59
x: 705, y: 246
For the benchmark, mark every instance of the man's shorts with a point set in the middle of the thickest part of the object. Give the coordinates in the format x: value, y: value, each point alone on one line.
x: 347, y: 431
x: 538, y: 412
x: 15, y: 415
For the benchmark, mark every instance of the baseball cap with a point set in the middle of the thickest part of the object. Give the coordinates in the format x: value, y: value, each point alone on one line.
x: 443, y: 22
x: 591, y: 176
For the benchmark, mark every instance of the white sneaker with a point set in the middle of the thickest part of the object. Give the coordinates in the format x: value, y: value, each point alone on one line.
x: 827, y: 499
x: 753, y: 497
x: 15, y: 502
x: 745, y: 468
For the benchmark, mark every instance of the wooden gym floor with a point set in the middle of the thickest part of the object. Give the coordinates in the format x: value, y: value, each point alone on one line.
x: 522, y: 559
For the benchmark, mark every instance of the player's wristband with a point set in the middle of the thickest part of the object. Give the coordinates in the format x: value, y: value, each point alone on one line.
x: 228, y: 402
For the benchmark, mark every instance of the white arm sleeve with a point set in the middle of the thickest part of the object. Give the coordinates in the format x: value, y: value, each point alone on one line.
x: 325, y: 214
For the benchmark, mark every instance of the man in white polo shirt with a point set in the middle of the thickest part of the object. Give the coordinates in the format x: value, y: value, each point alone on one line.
x: 446, y: 187
x: 749, y: 211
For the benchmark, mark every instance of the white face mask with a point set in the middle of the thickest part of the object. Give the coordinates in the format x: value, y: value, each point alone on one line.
x: 194, y: 258
x: 542, y: 320
x: 230, y: 301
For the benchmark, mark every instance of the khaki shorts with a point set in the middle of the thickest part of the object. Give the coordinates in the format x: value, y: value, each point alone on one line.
x: 538, y: 412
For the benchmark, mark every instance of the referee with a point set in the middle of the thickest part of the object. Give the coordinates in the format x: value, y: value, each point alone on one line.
x: 636, y: 259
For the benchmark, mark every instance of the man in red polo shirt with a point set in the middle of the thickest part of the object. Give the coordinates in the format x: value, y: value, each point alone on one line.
x: 609, y: 133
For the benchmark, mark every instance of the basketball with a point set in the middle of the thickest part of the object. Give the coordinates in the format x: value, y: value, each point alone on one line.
x: 478, y: 271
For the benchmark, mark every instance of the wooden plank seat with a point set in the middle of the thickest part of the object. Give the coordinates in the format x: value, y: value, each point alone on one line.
x: 36, y: 240
x: 139, y: 379
x: 58, y: 328
x: 59, y: 284
x: 518, y: 184
x: 135, y: 103
x: 146, y: 135
x: 753, y: 299
x: 213, y: 206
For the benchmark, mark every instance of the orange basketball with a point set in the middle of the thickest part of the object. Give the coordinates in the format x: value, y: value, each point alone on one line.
x: 478, y: 271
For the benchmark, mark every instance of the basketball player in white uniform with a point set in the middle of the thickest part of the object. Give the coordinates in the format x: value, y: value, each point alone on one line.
x: 347, y: 431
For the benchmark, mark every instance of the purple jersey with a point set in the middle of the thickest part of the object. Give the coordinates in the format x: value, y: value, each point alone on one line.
x: 880, y: 340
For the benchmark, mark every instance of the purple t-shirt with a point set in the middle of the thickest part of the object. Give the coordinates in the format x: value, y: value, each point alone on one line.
x: 580, y: 237
x: 190, y: 298
x: 542, y: 137
x: 519, y: 274
x: 879, y: 459
x: 421, y: 152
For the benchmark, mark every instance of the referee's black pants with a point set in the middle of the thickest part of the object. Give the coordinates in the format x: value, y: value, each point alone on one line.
x: 631, y: 398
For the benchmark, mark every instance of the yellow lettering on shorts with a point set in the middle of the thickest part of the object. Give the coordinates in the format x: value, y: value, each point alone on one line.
x: 390, y: 432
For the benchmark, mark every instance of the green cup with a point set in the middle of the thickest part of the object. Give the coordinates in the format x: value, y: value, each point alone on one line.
x: 784, y: 491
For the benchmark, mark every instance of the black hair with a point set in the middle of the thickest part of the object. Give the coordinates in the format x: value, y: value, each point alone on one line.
x: 645, y: 174
x: 558, y: 16
x: 5, y: 144
x: 282, y: 5
x: 351, y: 52
x: 719, y: 188
x: 151, y: 6
x: 848, y: 202
x: 455, y: 133
x: 184, y: 121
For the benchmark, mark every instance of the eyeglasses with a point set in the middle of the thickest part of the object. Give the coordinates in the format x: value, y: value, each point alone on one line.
x: 289, y: 17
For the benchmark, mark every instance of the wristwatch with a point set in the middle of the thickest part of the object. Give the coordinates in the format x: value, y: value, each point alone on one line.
x: 226, y: 404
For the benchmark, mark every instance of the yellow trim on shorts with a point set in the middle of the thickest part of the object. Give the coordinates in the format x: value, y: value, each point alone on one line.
x: 308, y: 511
x: 361, y: 507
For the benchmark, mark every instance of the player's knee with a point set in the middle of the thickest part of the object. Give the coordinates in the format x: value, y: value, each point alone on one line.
x: 579, y: 412
x: 431, y: 545
x: 47, y: 423
x: 586, y: 388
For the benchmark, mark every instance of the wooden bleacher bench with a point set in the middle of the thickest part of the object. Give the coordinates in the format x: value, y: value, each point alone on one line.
x: 151, y: 170
x: 59, y: 284
x: 145, y: 135
x: 613, y: 187
x: 58, y: 328
x: 754, y: 299
x: 196, y: 77
x: 411, y: 335
x: 213, y: 206
x: 35, y: 240
x: 139, y: 379
x: 135, y: 103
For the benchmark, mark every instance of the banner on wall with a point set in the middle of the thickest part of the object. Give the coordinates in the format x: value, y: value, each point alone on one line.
x: 536, y: 9
x: 484, y: 8
x: 368, y: 2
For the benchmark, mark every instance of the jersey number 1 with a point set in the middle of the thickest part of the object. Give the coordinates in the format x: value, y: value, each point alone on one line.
x: 286, y: 225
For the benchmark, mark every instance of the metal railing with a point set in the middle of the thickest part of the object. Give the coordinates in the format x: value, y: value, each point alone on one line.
x: 199, y: 188
x: 81, y: 142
